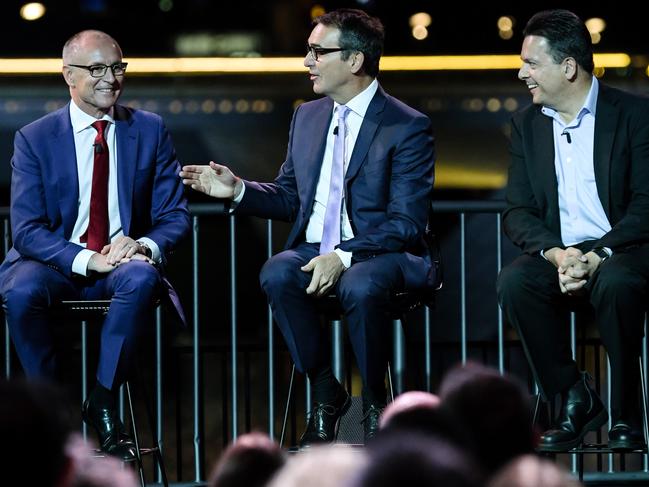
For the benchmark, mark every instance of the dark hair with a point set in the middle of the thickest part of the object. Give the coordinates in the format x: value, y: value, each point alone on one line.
x: 494, y: 410
x: 567, y: 36
x: 416, y: 460
x: 249, y: 462
x: 358, y: 32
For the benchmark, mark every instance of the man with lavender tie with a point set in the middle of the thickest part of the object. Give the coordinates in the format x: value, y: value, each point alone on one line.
x: 357, y: 183
x: 95, y: 201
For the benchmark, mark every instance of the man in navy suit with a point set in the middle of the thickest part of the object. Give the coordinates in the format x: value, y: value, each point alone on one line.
x: 384, y: 152
x: 95, y: 204
x: 578, y: 207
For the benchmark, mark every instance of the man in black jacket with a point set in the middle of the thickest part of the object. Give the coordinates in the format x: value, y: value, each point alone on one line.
x: 578, y: 207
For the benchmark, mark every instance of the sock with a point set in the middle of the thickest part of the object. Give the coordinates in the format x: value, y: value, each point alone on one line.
x: 375, y: 394
x: 324, y: 386
x: 102, y: 397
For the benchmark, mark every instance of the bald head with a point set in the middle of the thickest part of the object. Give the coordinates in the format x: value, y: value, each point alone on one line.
x: 408, y: 401
x: 84, y: 40
x: 94, y: 71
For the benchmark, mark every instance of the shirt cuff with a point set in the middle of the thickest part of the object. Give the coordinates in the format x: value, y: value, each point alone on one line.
x: 608, y: 251
x: 155, y: 250
x: 345, y: 257
x: 80, y: 262
x: 237, y: 200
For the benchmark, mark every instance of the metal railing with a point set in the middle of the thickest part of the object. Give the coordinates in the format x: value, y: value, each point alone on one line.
x: 464, y: 210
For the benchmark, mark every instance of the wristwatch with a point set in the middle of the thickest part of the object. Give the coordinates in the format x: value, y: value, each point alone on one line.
x: 601, y: 252
x: 145, y: 249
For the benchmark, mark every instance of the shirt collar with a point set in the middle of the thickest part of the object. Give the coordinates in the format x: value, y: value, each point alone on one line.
x: 589, y: 106
x: 361, y: 102
x: 81, y: 120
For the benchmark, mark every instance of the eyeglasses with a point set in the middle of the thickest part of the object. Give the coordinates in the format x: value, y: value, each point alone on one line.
x: 99, y: 70
x: 319, y: 51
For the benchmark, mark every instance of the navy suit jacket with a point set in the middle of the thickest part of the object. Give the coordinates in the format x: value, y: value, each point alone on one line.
x: 388, y: 183
x: 621, y: 159
x: 45, y: 187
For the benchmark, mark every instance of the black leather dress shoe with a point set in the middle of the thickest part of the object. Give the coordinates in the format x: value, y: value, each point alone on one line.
x: 110, y: 430
x: 371, y: 420
x: 623, y: 437
x: 322, y: 424
x: 582, y: 411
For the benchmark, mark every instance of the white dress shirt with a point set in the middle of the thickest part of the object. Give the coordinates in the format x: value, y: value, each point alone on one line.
x: 357, y: 108
x: 581, y: 212
x: 84, y: 138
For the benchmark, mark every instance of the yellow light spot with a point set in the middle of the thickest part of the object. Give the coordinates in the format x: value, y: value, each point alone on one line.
x: 242, y: 106
x: 317, y: 11
x: 32, y: 11
x: 505, y: 23
x: 225, y: 106
x: 510, y: 104
x: 595, y: 24
x: 493, y: 104
x: 506, y: 34
x: 176, y: 106
x: 419, y: 32
x: 208, y: 106
x: 599, y: 71
x: 420, y: 18
x: 595, y: 37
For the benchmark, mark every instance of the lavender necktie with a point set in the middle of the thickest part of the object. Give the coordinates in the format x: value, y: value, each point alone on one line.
x: 331, y: 228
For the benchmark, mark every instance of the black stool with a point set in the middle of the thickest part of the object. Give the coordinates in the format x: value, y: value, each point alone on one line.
x: 96, y: 310
x: 600, y: 448
x: 400, y: 304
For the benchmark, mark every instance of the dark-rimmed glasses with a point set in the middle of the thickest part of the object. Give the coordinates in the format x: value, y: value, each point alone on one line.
x: 99, y: 70
x: 319, y: 51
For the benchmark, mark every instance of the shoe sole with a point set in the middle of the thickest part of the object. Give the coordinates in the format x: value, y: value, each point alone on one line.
x: 593, y: 425
x: 624, y: 446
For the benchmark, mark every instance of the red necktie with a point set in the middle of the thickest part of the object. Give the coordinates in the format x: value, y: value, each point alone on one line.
x: 97, y: 233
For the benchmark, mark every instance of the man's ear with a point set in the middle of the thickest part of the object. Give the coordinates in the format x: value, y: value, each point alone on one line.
x: 68, y: 76
x: 570, y: 68
x: 356, y: 59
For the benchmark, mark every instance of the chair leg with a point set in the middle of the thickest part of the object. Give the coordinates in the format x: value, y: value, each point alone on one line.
x: 645, y: 416
x: 138, y: 455
x: 537, y: 407
x: 157, y: 451
x: 288, y: 405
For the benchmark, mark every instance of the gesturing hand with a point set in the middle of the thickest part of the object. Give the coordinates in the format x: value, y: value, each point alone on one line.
x: 213, y: 180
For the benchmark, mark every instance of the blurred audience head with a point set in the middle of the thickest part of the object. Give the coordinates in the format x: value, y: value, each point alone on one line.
x: 532, y: 471
x: 97, y: 471
x: 408, y: 401
x: 415, y: 460
x: 36, y: 423
x: 494, y: 409
x: 248, y: 462
x: 321, y: 466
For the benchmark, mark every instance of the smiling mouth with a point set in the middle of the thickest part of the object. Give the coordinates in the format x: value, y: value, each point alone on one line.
x: 531, y: 86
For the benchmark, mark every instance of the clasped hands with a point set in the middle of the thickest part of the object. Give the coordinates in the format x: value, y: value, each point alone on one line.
x: 574, y: 267
x: 124, y: 249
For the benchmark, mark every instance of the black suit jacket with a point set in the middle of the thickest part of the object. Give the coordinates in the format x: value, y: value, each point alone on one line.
x: 621, y: 158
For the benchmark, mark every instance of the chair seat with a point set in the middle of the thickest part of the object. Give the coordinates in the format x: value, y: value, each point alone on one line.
x: 400, y: 303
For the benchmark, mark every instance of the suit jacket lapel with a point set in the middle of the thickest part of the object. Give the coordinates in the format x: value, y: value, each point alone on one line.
x: 127, y: 142
x: 543, y: 148
x: 605, y: 124
x: 63, y: 156
x: 315, y: 131
x: 370, y: 124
